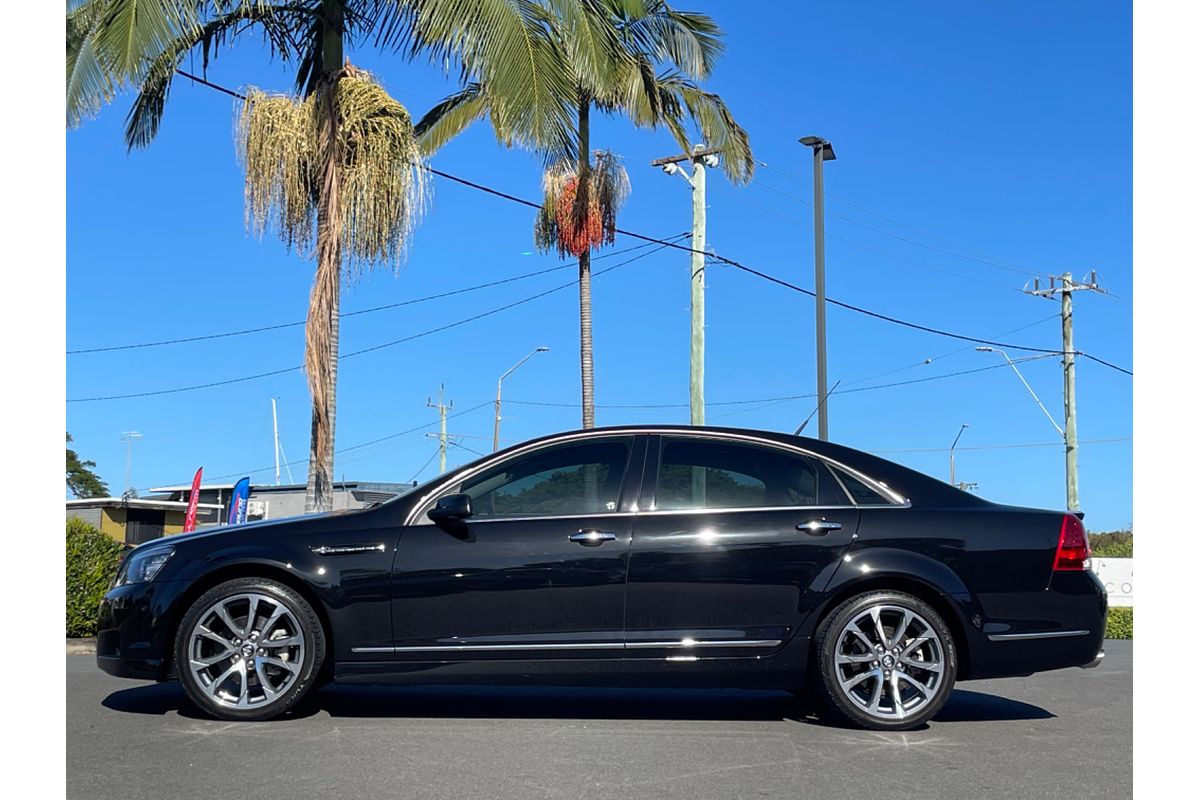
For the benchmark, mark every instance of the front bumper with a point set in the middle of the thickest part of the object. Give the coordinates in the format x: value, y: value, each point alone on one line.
x: 133, y: 639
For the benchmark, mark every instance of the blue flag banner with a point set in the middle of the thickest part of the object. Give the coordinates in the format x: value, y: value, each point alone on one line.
x: 239, y: 501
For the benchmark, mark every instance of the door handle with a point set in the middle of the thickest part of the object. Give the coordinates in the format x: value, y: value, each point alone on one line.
x: 592, y: 538
x: 818, y: 527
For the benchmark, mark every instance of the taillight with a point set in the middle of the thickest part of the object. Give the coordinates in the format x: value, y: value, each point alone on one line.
x: 1073, y: 551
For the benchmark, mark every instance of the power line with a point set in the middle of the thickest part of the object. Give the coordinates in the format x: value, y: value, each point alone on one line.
x: 372, y: 349
x: 370, y: 310
x: 783, y: 398
x: 983, y: 257
x: 858, y: 309
x: 1003, y: 446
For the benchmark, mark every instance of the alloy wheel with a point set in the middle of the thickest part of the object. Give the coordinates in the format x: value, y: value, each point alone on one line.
x: 246, y: 650
x: 889, y: 662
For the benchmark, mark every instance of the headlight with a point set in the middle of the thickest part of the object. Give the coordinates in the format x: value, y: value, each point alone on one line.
x: 142, y: 567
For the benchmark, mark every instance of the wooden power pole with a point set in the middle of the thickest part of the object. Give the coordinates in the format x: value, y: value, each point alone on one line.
x: 442, y: 408
x: 1065, y: 286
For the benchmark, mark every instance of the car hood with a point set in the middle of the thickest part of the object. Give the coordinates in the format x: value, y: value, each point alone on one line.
x: 247, y: 527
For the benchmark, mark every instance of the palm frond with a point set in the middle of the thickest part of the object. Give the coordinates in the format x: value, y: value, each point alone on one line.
x: 689, y: 40
x: 145, y: 116
x: 134, y: 31
x: 511, y: 47
x: 451, y: 117
x: 715, y: 122
x: 90, y: 83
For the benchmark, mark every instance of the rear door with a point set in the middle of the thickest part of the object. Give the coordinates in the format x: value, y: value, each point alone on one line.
x: 734, y: 543
x: 537, y: 571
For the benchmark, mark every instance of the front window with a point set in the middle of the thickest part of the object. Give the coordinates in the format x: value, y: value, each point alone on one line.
x: 698, y: 473
x: 567, y: 480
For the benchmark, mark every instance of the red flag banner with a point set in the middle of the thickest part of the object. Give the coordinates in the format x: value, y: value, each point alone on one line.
x: 189, y: 520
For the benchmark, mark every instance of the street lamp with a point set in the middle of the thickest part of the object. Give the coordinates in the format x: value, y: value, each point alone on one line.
x: 1072, y: 476
x: 822, y: 152
x: 956, y: 438
x: 499, y: 385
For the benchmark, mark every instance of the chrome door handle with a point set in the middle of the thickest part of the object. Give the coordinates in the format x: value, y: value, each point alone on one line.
x: 818, y: 527
x: 592, y: 538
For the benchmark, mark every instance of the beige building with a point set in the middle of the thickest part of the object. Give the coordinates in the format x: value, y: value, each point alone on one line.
x: 133, y: 521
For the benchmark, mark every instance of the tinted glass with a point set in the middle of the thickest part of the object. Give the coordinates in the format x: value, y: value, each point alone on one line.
x: 861, y: 492
x: 696, y: 473
x: 570, y: 479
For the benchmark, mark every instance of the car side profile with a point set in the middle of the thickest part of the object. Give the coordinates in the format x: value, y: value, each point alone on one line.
x: 631, y: 556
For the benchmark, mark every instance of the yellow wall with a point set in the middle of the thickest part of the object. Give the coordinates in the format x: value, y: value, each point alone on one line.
x: 112, y: 522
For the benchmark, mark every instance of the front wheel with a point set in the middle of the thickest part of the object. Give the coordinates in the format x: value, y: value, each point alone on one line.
x: 886, y: 661
x: 249, y: 649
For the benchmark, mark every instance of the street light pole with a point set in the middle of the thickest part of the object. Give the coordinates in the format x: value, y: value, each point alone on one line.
x: 822, y: 152
x: 956, y: 438
x: 499, y: 386
x: 1068, y: 436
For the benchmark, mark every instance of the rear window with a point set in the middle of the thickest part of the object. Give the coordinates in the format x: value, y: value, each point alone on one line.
x: 862, y: 494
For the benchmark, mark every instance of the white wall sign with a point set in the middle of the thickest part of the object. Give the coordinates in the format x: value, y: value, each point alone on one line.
x: 1117, y: 576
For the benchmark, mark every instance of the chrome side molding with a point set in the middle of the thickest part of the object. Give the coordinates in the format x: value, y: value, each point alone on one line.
x: 1013, y: 637
x: 343, y: 549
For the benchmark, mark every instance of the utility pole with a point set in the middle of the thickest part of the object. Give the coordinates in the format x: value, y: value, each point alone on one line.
x: 1066, y: 286
x: 129, y: 437
x: 965, y: 425
x: 275, y: 425
x: 442, y: 408
x: 822, y: 152
x: 701, y: 158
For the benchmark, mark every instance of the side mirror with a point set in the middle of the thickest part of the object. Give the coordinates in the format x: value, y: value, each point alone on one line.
x: 451, y: 508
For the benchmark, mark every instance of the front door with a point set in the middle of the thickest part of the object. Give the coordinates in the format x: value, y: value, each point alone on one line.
x: 537, y: 571
x: 735, y: 543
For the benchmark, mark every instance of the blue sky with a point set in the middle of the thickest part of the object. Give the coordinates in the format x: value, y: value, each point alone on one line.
x: 998, y: 129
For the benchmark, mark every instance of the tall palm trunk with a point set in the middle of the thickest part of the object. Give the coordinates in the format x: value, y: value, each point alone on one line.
x: 585, y: 270
x: 321, y: 329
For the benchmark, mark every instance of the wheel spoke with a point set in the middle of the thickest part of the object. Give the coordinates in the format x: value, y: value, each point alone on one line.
x: 223, y: 613
x: 251, y: 616
x: 914, y: 644
x: 857, y: 631
x: 220, y: 679
x: 268, y: 691
x: 269, y: 625
x: 883, y: 639
x: 278, y: 662
x: 244, y: 692
x: 927, y: 666
x: 897, y: 704
x: 207, y: 661
x: 920, y: 687
x: 213, y: 635
x: 286, y: 641
x: 898, y: 634
x: 850, y: 683
x: 876, y: 696
x: 844, y: 658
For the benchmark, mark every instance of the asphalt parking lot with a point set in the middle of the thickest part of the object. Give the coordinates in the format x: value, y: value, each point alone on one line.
x: 1064, y: 734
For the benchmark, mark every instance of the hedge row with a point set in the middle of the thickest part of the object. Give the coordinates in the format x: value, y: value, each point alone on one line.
x: 1120, y: 623
x: 1118, y: 544
x: 92, y: 561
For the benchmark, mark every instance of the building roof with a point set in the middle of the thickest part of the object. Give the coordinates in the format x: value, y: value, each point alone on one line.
x: 135, y: 502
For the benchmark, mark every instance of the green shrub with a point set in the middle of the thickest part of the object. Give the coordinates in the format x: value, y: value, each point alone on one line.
x: 1116, y: 544
x: 92, y: 559
x: 1119, y: 624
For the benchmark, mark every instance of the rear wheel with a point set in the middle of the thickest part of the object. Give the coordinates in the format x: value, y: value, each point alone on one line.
x: 249, y: 649
x: 886, y: 661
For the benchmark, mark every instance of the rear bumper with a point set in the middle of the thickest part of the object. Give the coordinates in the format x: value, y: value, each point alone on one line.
x: 1095, y: 662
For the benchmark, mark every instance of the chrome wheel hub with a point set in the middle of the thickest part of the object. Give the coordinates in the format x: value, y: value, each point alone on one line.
x: 245, y: 651
x: 889, y: 661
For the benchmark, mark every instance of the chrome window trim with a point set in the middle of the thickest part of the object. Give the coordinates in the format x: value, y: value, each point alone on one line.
x: 673, y: 644
x: 422, y: 504
x: 1014, y: 637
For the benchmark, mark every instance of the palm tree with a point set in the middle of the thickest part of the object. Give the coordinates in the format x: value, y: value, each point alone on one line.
x: 340, y: 154
x: 640, y: 58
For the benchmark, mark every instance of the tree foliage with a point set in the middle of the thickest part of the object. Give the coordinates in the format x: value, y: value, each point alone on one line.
x: 82, y: 481
x: 92, y: 561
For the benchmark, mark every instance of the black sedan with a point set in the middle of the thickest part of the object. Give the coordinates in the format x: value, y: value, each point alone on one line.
x: 634, y: 556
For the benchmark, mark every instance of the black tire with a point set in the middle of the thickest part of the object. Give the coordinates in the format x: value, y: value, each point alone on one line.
x: 301, y: 683
x: 838, y: 703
